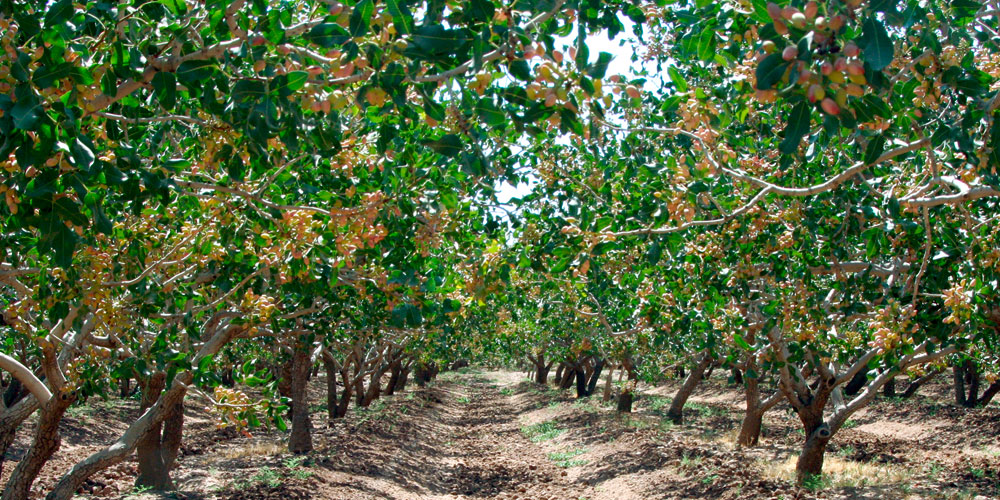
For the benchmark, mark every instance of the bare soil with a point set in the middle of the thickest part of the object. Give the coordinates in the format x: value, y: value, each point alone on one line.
x: 493, y: 434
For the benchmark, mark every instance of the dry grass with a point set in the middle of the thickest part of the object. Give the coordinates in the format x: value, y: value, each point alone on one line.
x: 839, y: 472
x: 254, y: 450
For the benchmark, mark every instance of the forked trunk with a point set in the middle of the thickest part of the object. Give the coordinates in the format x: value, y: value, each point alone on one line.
x: 300, y: 440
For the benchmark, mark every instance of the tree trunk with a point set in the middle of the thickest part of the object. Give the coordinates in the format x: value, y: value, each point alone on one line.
x: 15, y: 391
x: 972, y: 378
x: 124, y: 387
x: 46, y: 443
x: 581, y: 383
x: 737, y: 376
x: 559, y: 373
x: 810, y: 462
x: 676, y: 411
x: 914, y: 386
x: 753, y: 418
x: 541, y: 372
x: 7, y: 435
x: 152, y: 471
x: 285, y: 379
x: 595, y: 376
x: 818, y: 433
x: 374, y: 387
x: 959, y: 380
x: 625, y: 401
x: 396, y: 368
x: 422, y: 374
x: 567, y: 380
x: 750, y: 429
x: 607, y: 384
x: 331, y: 387
x: 345, y: 402
x: 856, y: 383
x: 889, y: 389
x: 989, y: 394
x: 300, y: 440
x: 173, y: 432
x: 404, y: 375
x: 626, y: 397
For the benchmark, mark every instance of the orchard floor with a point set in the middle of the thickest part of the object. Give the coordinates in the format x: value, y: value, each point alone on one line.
x: 492, y: 434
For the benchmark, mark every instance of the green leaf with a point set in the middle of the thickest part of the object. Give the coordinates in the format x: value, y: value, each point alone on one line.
x: 25, y: 113
x: 176, y: 6
x: 204, y: 363
x: 877, y: 49
x: 519, y: 68
x: 83, y: 154
x: 361, y: 18
x: 679, y: 81
x: 600, y: 67
x: 436, y: 41
x: 45, y: 76
x: 770, y: 71
x: 449, y: 145
x: 480, y: 10
x: 874, y: 149
x: 740, y: 342
x: 706, y: 45
x: 798, y: 126
x: 70, y: 211
x: 489, y: 113
x: 165, y: 89
x: 297, y: 80
x: 328, y: 35
x: 58, y: 13
x: 402, y: 18
x: 450, y: 200
x: 195, y: 71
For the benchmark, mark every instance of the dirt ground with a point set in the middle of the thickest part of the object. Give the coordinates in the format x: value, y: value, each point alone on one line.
x: 494, y: 434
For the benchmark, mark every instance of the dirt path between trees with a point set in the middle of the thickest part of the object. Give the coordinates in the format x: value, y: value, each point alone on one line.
x: 491, y: 456
x: 495, y: 435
